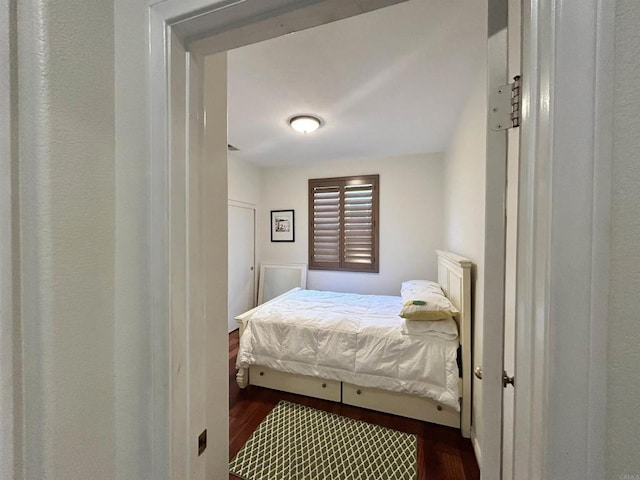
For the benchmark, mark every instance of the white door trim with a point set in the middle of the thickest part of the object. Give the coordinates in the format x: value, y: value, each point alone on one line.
x: 563, y: 240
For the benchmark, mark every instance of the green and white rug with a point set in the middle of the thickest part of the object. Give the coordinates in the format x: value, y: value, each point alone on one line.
x: 295, y: 442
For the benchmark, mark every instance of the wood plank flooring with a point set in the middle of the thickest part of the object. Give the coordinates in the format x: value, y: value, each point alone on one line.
x: 442, y: 452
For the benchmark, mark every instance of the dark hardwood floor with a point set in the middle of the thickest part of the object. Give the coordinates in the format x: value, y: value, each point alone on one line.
x: 442, y: 452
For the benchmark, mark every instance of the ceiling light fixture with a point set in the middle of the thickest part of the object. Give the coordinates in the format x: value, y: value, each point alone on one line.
x: 305, y: 123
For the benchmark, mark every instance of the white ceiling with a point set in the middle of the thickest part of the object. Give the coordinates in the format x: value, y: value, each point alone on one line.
x: 389, y: 82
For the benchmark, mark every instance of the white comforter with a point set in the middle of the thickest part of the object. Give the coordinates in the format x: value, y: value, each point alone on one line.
x: 352, y: 338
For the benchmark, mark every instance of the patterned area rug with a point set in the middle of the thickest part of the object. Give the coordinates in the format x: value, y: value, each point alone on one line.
x: 295, y: 442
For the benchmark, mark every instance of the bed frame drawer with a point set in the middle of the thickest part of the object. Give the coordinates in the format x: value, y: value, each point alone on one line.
x: 400, y: 404
x: 302, y: 385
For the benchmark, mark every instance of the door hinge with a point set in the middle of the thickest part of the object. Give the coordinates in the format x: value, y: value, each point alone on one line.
x: 507, y: 380
x: 504, y: 106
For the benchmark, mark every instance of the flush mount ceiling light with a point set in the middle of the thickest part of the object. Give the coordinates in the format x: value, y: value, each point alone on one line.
x: 305, y: 123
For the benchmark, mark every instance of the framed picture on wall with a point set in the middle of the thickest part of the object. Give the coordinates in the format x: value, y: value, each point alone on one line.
x: 282, y: 226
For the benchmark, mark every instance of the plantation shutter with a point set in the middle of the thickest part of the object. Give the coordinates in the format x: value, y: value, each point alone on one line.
x: 326, y: 225
x: 343, y: 230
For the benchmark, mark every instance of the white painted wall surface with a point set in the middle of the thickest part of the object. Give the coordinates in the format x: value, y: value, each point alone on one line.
x: 133, y: 347
x: 410, y: 220
x: 623, y: 421
x: 67, y: 214
x: 464, y: 213
x: 10, y: 371
x: 244, y: 180
x: 87, y: 346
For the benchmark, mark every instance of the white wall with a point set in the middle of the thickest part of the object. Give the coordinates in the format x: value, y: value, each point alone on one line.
x: 244, y: 180
x: 83, y: 156
x: 410, y: 219
x: 133, y: 348
x: 623, y: 420
x: 464, y: 212
x: 67, y: 215
x: 10, y: 383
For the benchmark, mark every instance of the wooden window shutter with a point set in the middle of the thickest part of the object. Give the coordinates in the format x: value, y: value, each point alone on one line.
x: 343, y: 223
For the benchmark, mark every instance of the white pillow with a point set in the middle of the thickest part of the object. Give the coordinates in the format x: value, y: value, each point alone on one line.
x: 446, y: 329
x: 411, y: 286
x: 425, y: 300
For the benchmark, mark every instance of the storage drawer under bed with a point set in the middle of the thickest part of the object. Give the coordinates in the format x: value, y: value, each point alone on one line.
x: 400, y: 404
x: 300, y: 384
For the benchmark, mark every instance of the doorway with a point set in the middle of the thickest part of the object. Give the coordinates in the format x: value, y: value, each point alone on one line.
x: 194, y: 87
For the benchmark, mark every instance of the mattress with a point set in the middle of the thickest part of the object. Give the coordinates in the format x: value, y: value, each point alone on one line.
x: 352, y: 338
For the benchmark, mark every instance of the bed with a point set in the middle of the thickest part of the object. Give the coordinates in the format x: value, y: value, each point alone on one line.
x: 355, y: 349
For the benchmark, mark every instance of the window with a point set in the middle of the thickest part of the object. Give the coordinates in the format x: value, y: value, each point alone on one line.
x: 343, y: 223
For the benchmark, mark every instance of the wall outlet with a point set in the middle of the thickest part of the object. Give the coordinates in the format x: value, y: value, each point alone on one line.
x: 202, y: 442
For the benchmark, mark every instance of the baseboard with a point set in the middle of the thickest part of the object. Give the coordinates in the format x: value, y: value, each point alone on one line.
x: 476, y: 448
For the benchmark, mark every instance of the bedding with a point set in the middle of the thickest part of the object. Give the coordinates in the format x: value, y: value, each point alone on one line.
x: 351, y: 338
x: 410, y: 286
x: 447, y: 328
x: 425, y: 300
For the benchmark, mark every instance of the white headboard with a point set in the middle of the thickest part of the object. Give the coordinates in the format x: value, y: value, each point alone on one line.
x: 454, y: 276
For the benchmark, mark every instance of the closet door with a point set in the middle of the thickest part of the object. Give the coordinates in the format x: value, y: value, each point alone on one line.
x: 241, y: 261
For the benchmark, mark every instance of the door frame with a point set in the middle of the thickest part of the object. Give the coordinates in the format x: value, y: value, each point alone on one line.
x: 563, y: 247
x: 554, y: 49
